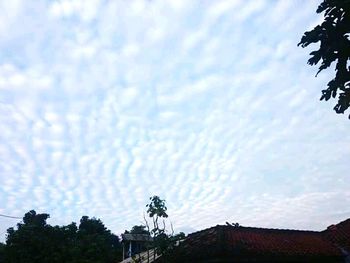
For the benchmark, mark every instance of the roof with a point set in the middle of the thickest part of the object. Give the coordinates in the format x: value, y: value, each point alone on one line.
x: 278, y: 241
x: 339, y: 234
x: 136, y: 237
x: 237, y: 242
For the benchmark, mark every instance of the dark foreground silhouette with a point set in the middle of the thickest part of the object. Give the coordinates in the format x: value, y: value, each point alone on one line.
x: 333, y: 36
x: 35, y: 241
x: 234, y: 243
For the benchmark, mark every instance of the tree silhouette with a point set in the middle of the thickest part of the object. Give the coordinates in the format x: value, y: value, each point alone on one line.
x: 2, y: 251
x: 163, y: 242
x: 137, y: 229
x: 334, y: 37
x: 36, y: 241
x: 156, y: 210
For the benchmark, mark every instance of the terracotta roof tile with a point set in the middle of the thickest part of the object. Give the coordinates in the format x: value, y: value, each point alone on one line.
x: 277, y: 241
x: 249, y: 243
x: 340, y: 234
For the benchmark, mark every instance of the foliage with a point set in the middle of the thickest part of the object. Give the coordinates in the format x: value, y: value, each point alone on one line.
x: 137, y: 229
x: 2, y: 251
x: 333, y: 35
x: 156, y: 210
x: 163, y: 242
x: 156, y: 207
x: 179, y: 236
x: 36, y: 241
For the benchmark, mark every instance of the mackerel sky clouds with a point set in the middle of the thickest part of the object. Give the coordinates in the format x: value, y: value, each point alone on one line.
x: 208, y: 104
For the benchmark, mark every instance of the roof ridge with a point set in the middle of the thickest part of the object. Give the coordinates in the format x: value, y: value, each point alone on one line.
x: 343, y: 222
x: 334, y: 226
x: 270, y: 229
x: 203, y: 230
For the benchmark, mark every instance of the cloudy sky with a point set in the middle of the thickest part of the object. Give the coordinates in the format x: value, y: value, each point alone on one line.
x: 208, y: 104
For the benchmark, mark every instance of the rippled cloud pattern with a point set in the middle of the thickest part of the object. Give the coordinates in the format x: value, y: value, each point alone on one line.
x: 209, y: 104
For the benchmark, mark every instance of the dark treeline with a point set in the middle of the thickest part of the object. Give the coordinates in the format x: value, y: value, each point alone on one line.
x: 34, y: 240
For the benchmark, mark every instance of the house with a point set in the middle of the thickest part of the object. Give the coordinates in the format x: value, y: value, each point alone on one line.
x: 340, y: 235
x: 134, y: 244
x: 234, y: 243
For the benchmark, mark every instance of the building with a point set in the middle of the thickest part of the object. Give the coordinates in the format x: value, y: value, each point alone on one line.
x: 234, y: 243
x: 340, y: 235
x: 134, y: 244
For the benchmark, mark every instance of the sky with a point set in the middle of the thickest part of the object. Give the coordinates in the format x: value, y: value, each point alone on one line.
x: 208, y: 104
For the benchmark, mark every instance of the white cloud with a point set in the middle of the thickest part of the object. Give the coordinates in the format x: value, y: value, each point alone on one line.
x: 109, y: 103
x: 86, y: 10
x: 10, y: 10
